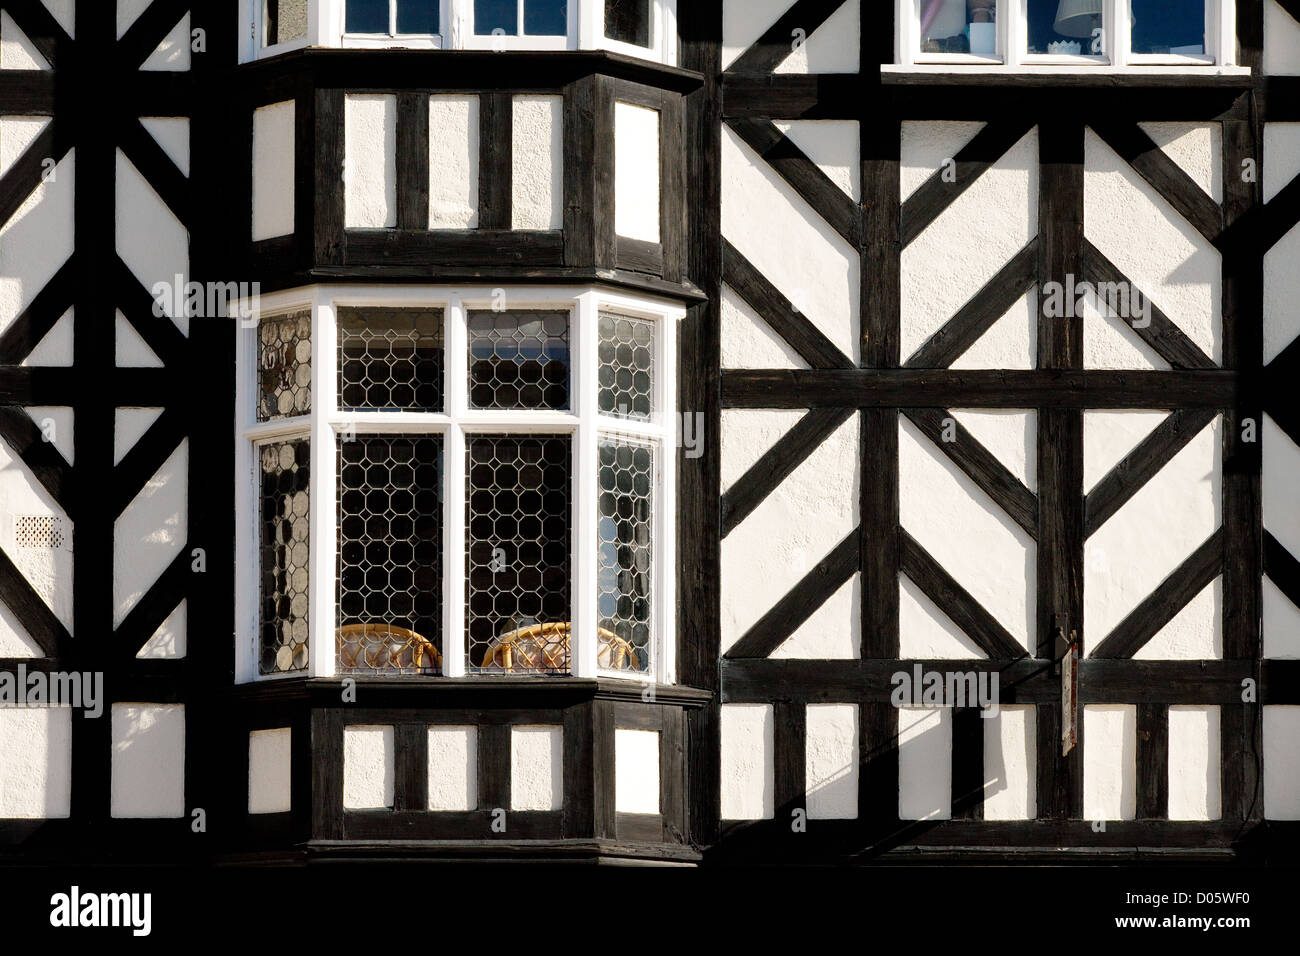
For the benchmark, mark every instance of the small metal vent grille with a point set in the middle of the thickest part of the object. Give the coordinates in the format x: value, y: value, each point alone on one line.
x: 39, y: 532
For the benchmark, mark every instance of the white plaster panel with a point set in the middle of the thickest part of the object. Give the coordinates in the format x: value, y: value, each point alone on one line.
x: 790, y: 244
x: 537, y: 189
x: 834, y: 47
x: 832, y: 632
x: 370, y: 161
x: 368, y: 767
x: 971, y: 241
x: 150, y: 532
x: 1153, y: 246
x: 1110, y: 342
x: 1109, y: 436
x: 269, y: 764
x: 56, y: 423
x: 128, y: 11
x: 636, y: 172
x: 47, y: 569
x: 831, y: 761
x: 1151, y: 535
x: 17, y: 52
x: 1281, y: 156
x: 1011, y: 435
x: 129, y: 426
x: 536, y: 768
x: 793, y: 529
x: 173, y: 53
x: 927, y: 146
x: 65, y: 12
x: 1196, y: 148
x: 35, y: 763
x: 747, y: 762
x: 148, y: 777
x: 925, y: 632
x: 636, y: 771
x: 834, y: 145
x: 1011, y: 763
x: 1011, y: 343
x: 748, y: 434
x: 150, y: 239
x: 37, y: 240
x: 453, y: 768
x: 453, y: 162
x: 17, y: 133
x: 1281, y: 480
x: 924, y: 763
x: 55, y: 347
x: 173, y: 135
x: 974, y: 540
x: 273, y: 168
x: 15, y: 642
x: 1281, y: 763
x: 744, y: 21
x: 132, y: 352
x: 1195, y: 788
x: 1194, y: 634
x: 1281, y: 41
x: 748, y: 341
x: 168, y: 641
x: 1281, y: 624
x: 1281, y: 293
x: 1109, y: 762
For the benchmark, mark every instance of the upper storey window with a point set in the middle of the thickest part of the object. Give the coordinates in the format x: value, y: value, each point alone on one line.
x: 393, y: 18
x: 1055, y: 35
x: 642, y: 28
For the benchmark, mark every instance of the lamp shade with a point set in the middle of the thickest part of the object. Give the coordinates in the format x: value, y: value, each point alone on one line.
x: 1078, y: 18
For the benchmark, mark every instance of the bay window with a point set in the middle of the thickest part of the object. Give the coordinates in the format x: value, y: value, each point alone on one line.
x: 641, y: 28
x: 1091, y: 34
x: 457, y: 483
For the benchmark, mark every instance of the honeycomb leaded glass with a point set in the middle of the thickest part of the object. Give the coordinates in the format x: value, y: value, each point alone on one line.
x: 518, y: 360
x: 283, y: 489
x: 390, y: 360
x: 627, y: 348
x: 390, y: 555
x: 517, y: 553
x: 625, y: 519
x: 284, y: 367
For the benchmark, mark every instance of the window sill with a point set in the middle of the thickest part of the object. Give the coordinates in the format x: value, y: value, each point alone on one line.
x: 475, y: 691
x: 1102, y: 74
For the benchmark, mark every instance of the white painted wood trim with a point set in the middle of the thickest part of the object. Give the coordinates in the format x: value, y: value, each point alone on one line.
x: 456, y: 398
x: 583, y: 644
x: 324, y: 491
x: 1220, y: 41
x: 246, y: 566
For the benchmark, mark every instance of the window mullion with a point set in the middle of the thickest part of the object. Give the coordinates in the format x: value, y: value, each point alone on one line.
x: 323, y: 491
x: 1119, y: 34
x: 1014, y: 17
x: 664, y: 546
x: 1225, y: 32
x: 457, y: 400
x: 582, y: 635
x: 248, y: 591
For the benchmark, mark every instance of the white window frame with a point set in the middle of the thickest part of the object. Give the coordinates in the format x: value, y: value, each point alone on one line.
x: 327, y: 21
x: 663, y: 27
x: 1220, y: 36
x: 469, y: 40
x: 391, y: 39
x: 582, y: 421
x: 252, y: 13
